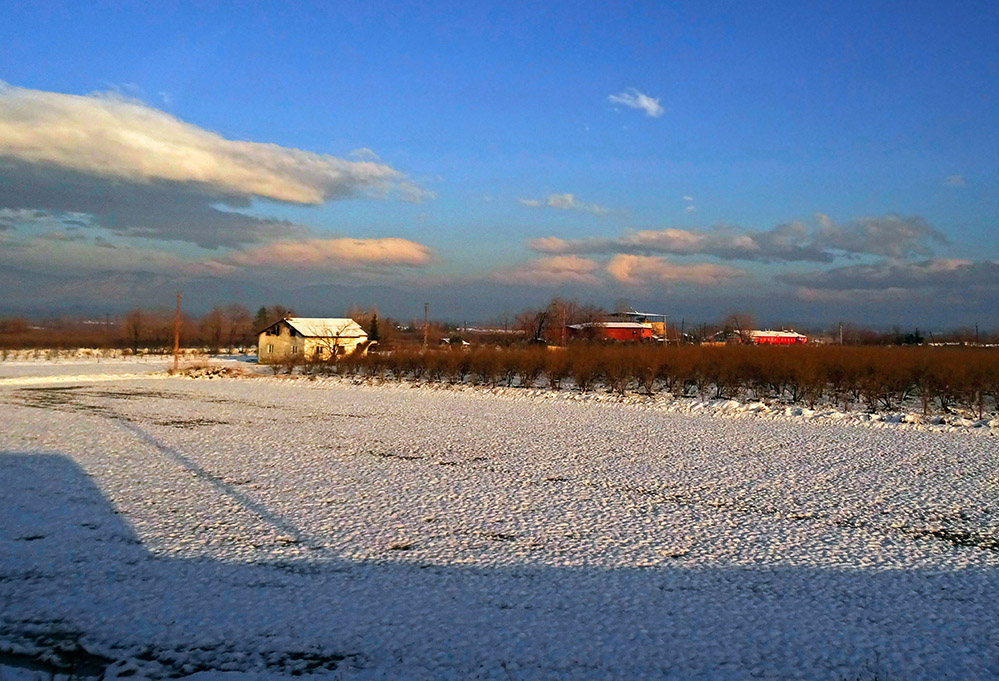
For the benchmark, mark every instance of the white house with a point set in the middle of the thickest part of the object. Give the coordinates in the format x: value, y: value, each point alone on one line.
x: 310, y: 338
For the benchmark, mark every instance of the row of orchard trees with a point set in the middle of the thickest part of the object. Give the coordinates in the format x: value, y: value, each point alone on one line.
x: 872, y: 378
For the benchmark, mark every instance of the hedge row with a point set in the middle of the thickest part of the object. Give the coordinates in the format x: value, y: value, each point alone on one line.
x: 871, y: 377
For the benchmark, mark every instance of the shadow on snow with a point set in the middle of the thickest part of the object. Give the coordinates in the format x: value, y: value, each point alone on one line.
x: 78, y: 590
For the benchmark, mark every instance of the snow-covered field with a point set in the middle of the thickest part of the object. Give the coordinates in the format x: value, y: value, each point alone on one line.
x: 90, y: 369
x: 270, y: 526
x: 77, y: 367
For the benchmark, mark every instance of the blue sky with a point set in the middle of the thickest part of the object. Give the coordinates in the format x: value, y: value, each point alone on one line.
x: 872, y: 127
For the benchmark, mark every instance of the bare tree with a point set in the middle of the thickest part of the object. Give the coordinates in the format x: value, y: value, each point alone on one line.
x: 212, y: 329
x: 237, y: 322
x: 532, y: 323
x: 330, y: 344
x: 135, y: 327
x: 741, y: 325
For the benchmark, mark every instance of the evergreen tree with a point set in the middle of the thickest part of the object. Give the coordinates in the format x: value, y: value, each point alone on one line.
x: 373, y: 334
x: 260, y: 320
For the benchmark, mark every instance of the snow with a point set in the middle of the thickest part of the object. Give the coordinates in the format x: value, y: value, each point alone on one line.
x: 73, y: 368
x: 254, y: 528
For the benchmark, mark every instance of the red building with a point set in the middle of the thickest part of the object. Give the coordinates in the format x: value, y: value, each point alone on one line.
x: 628, y: 332
x: 776, y: 338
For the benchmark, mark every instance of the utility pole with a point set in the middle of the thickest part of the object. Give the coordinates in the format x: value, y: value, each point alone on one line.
x: 176, y: 335
x: 683, y: 323
x: 426, y: 327
x: 563, y: 325
x: 841, y: 333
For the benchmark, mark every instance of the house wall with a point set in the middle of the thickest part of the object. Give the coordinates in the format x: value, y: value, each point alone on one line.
x: 627, y: 334
x: 271, y: 348
x: 277, y: 348
x: 327, y: 347
x: 779, y: 340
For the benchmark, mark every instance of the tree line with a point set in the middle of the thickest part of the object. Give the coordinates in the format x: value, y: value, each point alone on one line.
x: 232, y: 328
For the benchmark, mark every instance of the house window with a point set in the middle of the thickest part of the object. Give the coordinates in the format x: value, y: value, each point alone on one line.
x: 294, y: 349
x: 270, y: 348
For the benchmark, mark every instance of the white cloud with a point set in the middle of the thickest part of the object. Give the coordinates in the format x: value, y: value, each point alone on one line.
x: 688, y: 199
x: 633, y: 99
x: 565, y: 202
x: 691, y: 209
x: 109, y: 136
x: 561, y: 269
x: 364, y: 154
x: 954, y: 181
x: 637, y: 270
x: 332, y: 254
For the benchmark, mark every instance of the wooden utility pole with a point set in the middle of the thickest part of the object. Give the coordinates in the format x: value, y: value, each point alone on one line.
x: 426, y: 323
x: 563, y: 324
x: 176, y: 335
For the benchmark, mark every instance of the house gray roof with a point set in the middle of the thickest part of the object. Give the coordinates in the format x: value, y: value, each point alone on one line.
x: 326, y: 327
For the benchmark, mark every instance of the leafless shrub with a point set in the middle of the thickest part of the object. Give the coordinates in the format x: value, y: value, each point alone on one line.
x: 530, y: 365
x: 557, y: 368
x: 648, y: 371
x: 486, y: 365
x: 616, y: 365
x: 584, y: 367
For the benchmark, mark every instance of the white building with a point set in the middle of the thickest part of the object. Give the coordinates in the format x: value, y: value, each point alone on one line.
x: 310, y: 338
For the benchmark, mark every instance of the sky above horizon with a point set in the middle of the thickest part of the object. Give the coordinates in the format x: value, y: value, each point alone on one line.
x: 800, y: 162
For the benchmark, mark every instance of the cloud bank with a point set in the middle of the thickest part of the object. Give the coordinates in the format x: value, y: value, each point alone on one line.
x: 333, y: 254
x: 939, y: 274
x: 890, y: 235
x: 639, y: 270
x: 553, y: 271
